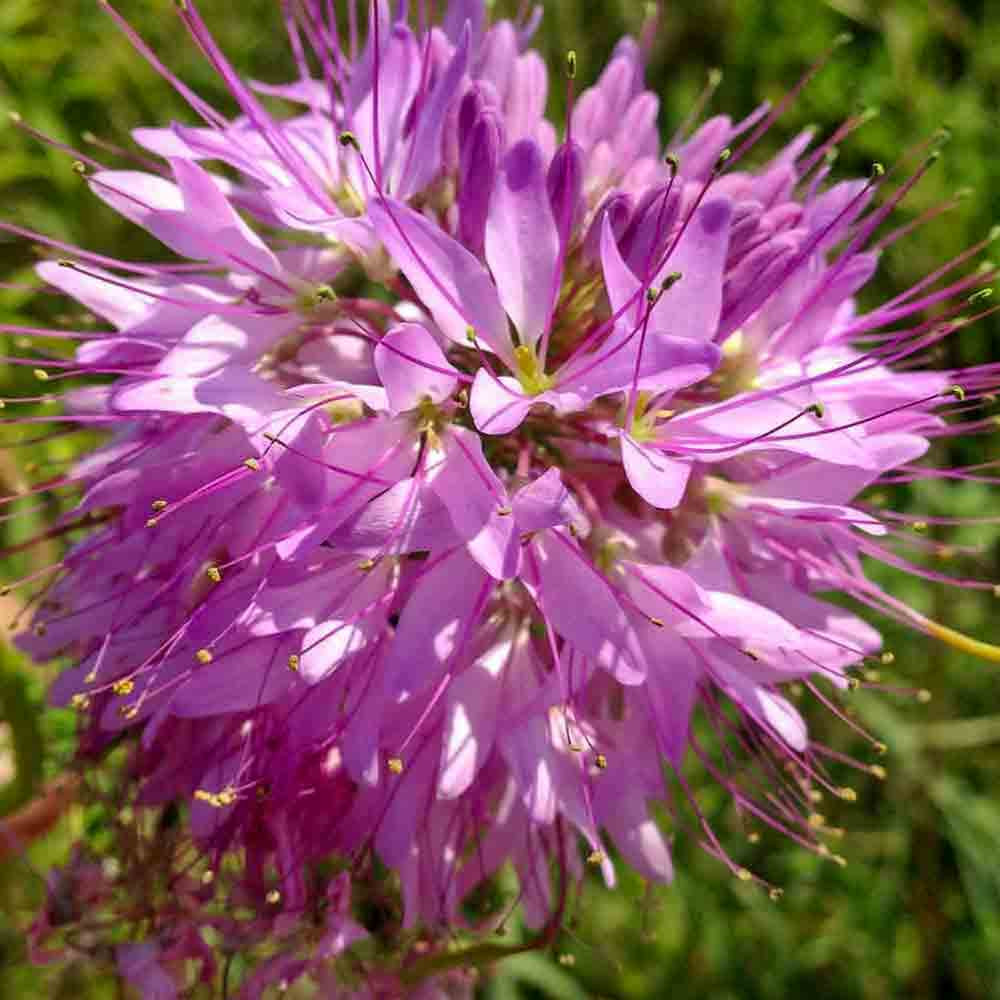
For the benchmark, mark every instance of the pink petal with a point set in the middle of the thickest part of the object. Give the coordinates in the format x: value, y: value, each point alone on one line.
x: 522, y: 243
x: 451, y: 283
x: 412, y: 367
x: 691, y: 307
x: 658, y: 479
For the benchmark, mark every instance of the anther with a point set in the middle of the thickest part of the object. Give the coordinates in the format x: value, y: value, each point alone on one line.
x: 80, y: 702
x: 15, y: 117
x: 207, y: 877
x: 744, y: 874
x: 658, y: 622
x: 775, y: 894
x: 957, y: 391
x: 887, y: 658
x: 349, y: 139
x: 567, y: 959
x: 753, y: 837
x: 204, y: 657
x: 816, y: 409
x: 152, y: 522
x: 366, y: 564
x: 878, y: 771
x: 273, y: 897
x: 847, y: 794
x: 674, y: 164
x: 880, y: 748
x: 396, y: 765
x: 505, y: 511
x: 596, y: 858
x: 919, y: 527
x: 79, y: 167
x: 601, y: 761
x: 41, y: 374
x: 293, y: 662
x: 924, y: 696
x: 158, y: 505
x: 252, y: 464
x: 124, y: 686
x: 571, y: 64
x: 470, y: 334
x: 980, y: 296
x: 214, y: 574
x: 853, y: 684
x: 722, y: 159
x: 816, y: 820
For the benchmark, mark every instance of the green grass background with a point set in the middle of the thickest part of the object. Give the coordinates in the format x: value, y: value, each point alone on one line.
x: 916, y: 912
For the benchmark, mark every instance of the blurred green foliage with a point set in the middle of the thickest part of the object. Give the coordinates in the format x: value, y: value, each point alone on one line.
x: 916, y: 912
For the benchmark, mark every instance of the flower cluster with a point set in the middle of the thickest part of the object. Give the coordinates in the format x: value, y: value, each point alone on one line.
x: 462, y: 462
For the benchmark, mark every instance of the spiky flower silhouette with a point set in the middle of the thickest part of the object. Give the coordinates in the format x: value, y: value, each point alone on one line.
x: 462, y: 460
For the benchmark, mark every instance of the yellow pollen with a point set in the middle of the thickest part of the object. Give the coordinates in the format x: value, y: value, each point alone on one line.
x: 152, y: 522
x: 203, y: 656
x: 293, y: 662
x: 80, y: 701
x: 753, y: 838
x: 888, y: 658
x: 208, y: 877
x: 214, y: 574
x: 505, y: 511
x: 41, y: 374
x: 924, y: 696
x: 775, y: 894
x: 158, y: 505
x: 91, y: 677
x: 595, y: 858
x: 817, y: 820
x: 744, y: 875
x: 252, y: 464
x: 880, y: 748
x: 847, y: 794
x: 366, y: 564
x: 567, y: 959
x: 601, y: 761
x: 529, y: 371
x: 273, y: 897
x: 123, y: 687
x: 658, y: 622
x: 396, y: 765
x: 878, y: 771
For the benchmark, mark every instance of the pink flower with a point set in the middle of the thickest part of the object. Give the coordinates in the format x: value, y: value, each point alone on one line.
x: 461, y: 463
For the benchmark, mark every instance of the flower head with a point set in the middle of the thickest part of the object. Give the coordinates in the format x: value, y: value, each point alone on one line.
x: 462, y: 462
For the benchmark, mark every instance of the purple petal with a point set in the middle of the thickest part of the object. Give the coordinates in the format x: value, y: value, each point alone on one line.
x: 582, y: 607
x: 443, y: 608
x: 477, y: 502
x: 545, y: 503
x: 452, y: 284
x: 408, y: 517
x: 412, y: 367
x: 658, y: 479
x: 498, y: 404
x: 691, y: 307
x: 522, y: 244
x: 471, y: 718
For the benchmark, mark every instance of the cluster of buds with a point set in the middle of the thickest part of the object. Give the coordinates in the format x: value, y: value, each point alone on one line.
x: 460, y: 463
